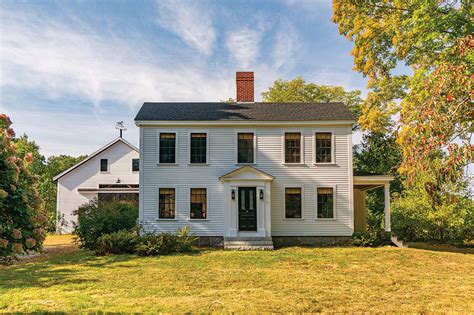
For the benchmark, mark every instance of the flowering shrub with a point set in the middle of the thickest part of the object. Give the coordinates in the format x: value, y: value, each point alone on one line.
x: 21, y: 220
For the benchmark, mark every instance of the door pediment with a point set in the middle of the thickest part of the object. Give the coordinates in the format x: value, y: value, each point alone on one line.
x: 246, y: 172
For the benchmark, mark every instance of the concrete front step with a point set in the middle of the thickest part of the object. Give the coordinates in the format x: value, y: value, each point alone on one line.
x: 248, y: 243
x: 398, y: 242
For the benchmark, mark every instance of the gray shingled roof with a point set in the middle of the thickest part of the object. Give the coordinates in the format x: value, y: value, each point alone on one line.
x: 244, y: 111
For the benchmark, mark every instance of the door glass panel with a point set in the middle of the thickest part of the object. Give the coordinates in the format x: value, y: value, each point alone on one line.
x: 251, y: 196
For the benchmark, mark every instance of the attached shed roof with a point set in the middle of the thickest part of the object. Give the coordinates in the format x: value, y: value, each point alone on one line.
x: 105, y: 147
x: 219, y: 111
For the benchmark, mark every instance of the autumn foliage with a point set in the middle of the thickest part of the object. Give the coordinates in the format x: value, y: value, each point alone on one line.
x: 21, y: 219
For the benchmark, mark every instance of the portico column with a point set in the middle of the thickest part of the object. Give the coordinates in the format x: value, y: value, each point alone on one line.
x: 387, y: 208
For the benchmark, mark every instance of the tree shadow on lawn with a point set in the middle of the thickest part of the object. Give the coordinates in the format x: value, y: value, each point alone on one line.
x: 70, y: 267
x: 468, y: 249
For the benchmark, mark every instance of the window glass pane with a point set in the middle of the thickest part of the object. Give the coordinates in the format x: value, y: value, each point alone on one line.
x: 323, y: 147
x: 167, y: 203
x: 198, y: 147
x: 135, y: 165
x: 104, y: 165
x: 325, y: 203
x: 293, y: 147
x: 293, y: 202
x: 167, y: 147
x: 245, y: 148
x: 198, y: 203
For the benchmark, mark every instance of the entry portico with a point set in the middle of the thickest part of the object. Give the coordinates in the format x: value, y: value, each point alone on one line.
x: 247, y: 194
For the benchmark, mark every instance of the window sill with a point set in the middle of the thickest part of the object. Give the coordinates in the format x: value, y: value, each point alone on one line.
x: 198, y: 220
x: 294, y: 164
x: 198, y: 164
x: 294, y: 219
x: 106, y: 172
x: 325, y: 164
x: 325, y: 219
x: 243, y: 164
x: 162, y: 219
x: 167, y: 164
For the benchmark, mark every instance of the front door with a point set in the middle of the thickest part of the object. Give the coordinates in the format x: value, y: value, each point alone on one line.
x: 247, y: 209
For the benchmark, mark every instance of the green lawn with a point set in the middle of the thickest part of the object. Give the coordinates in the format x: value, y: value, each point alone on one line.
x: 289, y: 279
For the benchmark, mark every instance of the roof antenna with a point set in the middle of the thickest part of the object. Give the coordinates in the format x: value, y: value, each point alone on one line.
x: 119, y: 125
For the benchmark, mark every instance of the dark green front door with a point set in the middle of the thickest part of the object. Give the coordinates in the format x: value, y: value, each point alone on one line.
x: 247, y: 209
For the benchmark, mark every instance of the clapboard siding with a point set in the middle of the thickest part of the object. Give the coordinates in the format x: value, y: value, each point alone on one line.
x: 222, y: 159
x: 88, y: 175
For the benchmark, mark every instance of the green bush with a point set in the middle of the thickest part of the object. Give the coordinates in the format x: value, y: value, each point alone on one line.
x: 414, y: 219
x: 121, y: 242
x: 99, y: 218
x: 375, y: 234
x: 165, y: 243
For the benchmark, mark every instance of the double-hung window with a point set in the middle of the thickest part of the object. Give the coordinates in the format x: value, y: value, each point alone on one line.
x: 104, y: 165
x: 324, y: 147
x: 198, y: 148
x: 167, y: 202
x: 293, y: 203
x: 198, y: 203
x: 135, y: 165
x: 292, y: 147
x: 167, y: 148
x: 245, y: 147
x: 325, y: 203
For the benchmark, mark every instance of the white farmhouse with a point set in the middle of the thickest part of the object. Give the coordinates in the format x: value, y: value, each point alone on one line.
x: 251, y: 174
x: 110, y: 173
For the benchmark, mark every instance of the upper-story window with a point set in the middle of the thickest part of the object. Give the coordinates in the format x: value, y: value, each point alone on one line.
x: 323, y: 147
x: 292, y: 147
x: 104, y: 165
x: 135, y: 165
x: 245, y: 147
x: 167, y: 148
x: 198, y: 148
x: 293, y: 203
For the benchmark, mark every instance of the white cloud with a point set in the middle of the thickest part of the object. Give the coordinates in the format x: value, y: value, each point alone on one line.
x: 190, y: 21
x: 51, y: 58
x: 244, y: 46
x: 286, y: 44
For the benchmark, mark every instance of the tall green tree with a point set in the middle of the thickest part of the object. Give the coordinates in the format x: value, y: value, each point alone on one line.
x: 298, y: 90
x: 433, y: 103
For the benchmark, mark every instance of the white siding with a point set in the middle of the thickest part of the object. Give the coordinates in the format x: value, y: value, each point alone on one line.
x: 88, y: 175
x: 222, y: 160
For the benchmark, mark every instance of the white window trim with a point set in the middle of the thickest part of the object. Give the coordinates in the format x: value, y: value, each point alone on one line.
x: 333, y: 147
x: 207, y: 147
x: 283, y: 151
x: 207, y: 202
x: 100, y: 166
x: 302, y: 203
x: 175, y: 203
x: 175, y: 147
x: 135, y: 172
x: 236, y: 146
x: 334, y: 191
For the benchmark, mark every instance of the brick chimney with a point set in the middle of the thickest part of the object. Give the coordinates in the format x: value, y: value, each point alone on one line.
x: 244, y: 80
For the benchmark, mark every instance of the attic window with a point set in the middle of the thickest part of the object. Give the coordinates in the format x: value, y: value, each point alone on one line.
x: 104, y: 165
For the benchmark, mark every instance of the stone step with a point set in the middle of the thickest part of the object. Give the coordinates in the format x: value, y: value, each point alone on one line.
x: 248, y: 243
x: 252, y: 247
x: 248, y: 238
x: 398, y: 242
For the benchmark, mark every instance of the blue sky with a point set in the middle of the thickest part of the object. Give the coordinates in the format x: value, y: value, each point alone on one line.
x: 70, y: 70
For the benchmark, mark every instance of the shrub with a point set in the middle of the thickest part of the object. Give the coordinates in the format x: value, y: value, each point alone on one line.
x: 374, y: 235
x: 157, y: 244
x: 21, y: 221
x: 99, y: 218
x: 121, y: 242
x: 414, y: 219
x: 165, y: 243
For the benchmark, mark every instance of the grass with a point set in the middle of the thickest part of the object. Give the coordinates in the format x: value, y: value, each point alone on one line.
x: 285, y: 280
